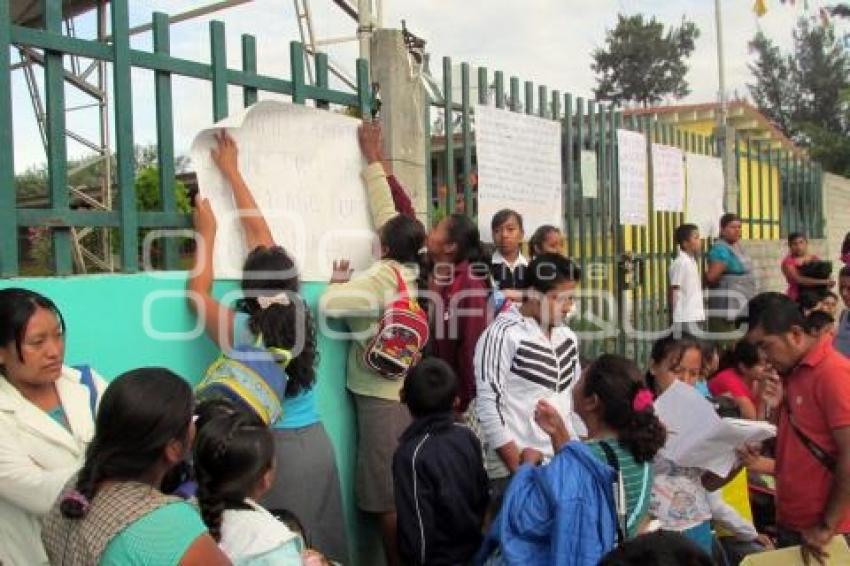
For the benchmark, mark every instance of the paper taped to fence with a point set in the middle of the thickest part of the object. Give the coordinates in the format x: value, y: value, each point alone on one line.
x: 589, y: 174
x: 705, y: 193
x: 303, y: 167
x: 668, y: 178
x: 519, y: 167
x: 634, y: 200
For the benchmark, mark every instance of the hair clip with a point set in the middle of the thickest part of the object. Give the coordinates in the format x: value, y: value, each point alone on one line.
x: 279, y: 299
x: 642, y: 400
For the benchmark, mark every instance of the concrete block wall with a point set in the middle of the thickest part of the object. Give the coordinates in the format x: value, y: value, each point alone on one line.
x: 767, y: 256
x: 836, y: 194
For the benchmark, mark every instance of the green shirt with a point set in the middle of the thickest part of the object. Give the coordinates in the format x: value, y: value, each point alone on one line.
x: 637, y: 481
x: 58, y: 415
x: 160, y: 537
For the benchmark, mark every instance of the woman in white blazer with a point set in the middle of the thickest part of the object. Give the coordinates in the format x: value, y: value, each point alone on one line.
x: 46, y: 420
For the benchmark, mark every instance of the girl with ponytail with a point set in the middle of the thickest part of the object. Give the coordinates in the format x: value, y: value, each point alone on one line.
x: 113, y: 511
x: 623, y: 430
x: 234, y: 465
x: 273, y: 314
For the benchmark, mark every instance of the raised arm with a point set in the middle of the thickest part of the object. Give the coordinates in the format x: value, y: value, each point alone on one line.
x: 217, y: 319
x: 226, y: 157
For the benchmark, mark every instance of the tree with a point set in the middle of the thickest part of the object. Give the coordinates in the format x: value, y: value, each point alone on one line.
x: 773, y: 90
x: 641, y: 62
x: 807, y: 93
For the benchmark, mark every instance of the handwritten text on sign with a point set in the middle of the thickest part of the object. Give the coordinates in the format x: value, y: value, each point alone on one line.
x: 633, y: 176
x: 668, y: 178
x: 303, y: 167
x: 519, y: 167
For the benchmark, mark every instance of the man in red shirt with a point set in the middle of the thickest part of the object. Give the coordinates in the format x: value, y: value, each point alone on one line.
x: 813, y: 436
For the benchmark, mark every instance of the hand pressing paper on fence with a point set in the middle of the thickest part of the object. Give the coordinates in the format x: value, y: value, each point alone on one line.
x: 697, y: 437
x: 302, y: 166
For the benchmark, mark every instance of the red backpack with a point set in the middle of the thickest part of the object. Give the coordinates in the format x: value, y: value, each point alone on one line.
x: 400, y: 337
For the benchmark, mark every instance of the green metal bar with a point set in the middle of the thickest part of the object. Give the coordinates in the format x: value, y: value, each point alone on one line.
x: 543, y: 101
x: 515, y: 101
x: 249, y: 66
x: 52, y: 41
x: 67, y: 218
x: 218, y: 58
x: 529, y: 97
x: 429, y: 161
x: 466, y: 129
x: 570, y: 186
x: 750, y: 204
x: 57, y: 154
x: 322, y: 78
x: 579, y: 194
x: 451, y: 185
x: 364, y: 88
x: 760, y: 165
x: 602, y: 200
x: 592, y: 204
x: 620, y: 235
x: 499, y: 84
x: 123, y: 104
x: 296, y: 64
x: 482, y: 85
x: 8, y: 224
x: 165, y: 135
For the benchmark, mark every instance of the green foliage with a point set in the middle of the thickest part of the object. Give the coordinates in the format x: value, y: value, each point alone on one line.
x: 805, y: 93
x: 641, y: 62
x: 148, y: 193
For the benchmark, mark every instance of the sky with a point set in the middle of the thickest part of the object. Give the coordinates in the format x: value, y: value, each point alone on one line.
x: 545, y: 41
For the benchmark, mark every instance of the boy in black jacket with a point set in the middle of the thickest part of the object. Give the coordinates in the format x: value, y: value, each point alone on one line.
x: 438, y: 473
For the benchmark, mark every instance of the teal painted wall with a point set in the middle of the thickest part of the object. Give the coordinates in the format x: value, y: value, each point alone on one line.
x: 108, y: 318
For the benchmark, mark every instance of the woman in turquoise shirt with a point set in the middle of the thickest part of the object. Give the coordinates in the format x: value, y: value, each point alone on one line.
x: 730, y: 277
x: 112, y: 512
x: 272, y: 311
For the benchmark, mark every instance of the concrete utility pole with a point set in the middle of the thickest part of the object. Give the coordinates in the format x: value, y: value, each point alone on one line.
x: 725, y: 134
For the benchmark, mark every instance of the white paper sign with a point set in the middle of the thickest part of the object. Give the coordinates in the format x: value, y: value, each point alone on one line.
x: 589, y: 174
x: 668, y: 178
x: 705, y: 193
x: 634, y: 201
x: 519, y: 167
x: 303, y: 167
x: 697, y: 437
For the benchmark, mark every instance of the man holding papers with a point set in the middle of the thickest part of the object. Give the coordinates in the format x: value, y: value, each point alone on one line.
x: 813, y: 439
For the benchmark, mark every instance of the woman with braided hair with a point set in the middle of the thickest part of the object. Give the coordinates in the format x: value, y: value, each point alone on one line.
x: 235, y: 465
x: 112, y: 511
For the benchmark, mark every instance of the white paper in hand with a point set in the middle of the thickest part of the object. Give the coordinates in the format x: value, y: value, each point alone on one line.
x: 697, y: 437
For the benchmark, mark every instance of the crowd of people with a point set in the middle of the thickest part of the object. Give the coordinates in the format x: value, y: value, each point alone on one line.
x: 483, y: 436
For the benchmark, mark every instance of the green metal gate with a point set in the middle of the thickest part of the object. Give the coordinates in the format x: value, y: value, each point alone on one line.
x: 126, y: 218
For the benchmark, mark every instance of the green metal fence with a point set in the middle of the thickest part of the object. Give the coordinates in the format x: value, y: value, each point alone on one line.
x: 630, y: 263
x: 126, y: 218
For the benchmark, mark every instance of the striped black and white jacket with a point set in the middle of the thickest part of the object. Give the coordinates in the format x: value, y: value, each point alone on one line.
x: 516, y: 365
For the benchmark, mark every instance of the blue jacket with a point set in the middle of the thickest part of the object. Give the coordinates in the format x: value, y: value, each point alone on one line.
x: 562, y: 513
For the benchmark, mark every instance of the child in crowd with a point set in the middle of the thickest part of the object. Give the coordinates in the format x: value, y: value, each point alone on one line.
x: 623, y: 431
x: 234, y: 465
x: 842, y: 334
x: 710, y: 365
x: 440, y: 485
x: 546, y: 240
x: 680, y: 499
x: 273, y: 314
x: 686, y: 301
x: 527, y: 353
x: 361, y: 303
x: 798, y: 256
x: 508, y: 264
x: 112, y: 512
x: 743, y: 369
x: 461, y: 282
